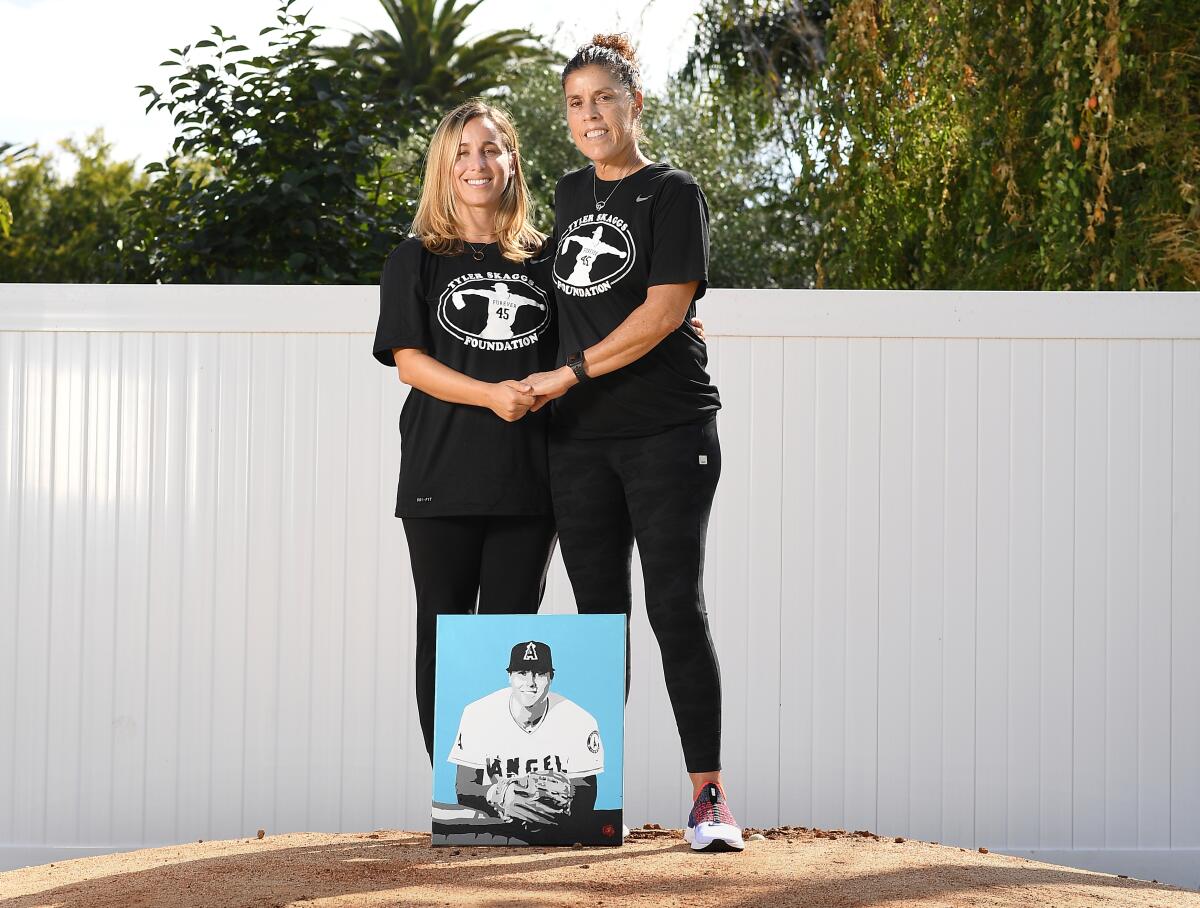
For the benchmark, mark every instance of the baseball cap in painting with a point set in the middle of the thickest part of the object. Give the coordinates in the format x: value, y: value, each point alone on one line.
x: 531, y: 656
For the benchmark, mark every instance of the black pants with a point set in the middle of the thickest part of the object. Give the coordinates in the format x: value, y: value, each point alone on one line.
x: 659, y: 491
x: 501, y: 562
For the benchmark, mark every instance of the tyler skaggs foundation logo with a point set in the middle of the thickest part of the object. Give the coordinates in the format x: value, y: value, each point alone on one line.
x: 493, y: 310
x: 595, y: 252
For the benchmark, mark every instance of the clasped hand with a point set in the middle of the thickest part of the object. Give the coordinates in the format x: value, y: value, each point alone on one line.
x: 510, y: 400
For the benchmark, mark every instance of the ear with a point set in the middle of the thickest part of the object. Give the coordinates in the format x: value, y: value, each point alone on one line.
x: 639, y: 102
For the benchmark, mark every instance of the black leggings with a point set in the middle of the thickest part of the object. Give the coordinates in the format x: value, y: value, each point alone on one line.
x: 501, y: 561
x: 659, y: 491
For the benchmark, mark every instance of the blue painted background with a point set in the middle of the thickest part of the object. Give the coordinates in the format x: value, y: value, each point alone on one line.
x: 589, y: 668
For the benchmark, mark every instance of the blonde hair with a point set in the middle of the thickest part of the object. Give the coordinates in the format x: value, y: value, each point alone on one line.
x: 436, y: 222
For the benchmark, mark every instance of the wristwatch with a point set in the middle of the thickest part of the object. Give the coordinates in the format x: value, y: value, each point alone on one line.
x: 578, y: 366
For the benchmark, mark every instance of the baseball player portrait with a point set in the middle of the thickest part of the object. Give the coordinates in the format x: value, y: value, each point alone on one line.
x: 528, y: 756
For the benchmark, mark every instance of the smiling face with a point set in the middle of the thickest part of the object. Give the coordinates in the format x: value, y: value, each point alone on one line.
x: 529, y: 688
x: 483, y: 165
x: 602, y: 114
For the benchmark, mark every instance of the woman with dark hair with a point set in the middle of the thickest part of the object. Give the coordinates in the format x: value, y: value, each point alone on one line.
x: 634, y: 453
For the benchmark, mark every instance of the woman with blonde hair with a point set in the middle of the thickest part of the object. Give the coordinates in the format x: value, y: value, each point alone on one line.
x: 464, y: 311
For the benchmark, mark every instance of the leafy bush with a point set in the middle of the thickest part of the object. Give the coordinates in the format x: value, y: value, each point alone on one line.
x: 1008, y: 145
x: 288, y: 168
x: 63, y: 229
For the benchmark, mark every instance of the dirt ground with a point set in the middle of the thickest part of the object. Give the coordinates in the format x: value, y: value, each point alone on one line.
x: 788, y: 866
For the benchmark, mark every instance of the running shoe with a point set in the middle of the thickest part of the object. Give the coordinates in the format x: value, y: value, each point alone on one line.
x: 711, y: 826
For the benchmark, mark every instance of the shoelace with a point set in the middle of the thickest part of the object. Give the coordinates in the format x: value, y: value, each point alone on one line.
x: 710, y: 807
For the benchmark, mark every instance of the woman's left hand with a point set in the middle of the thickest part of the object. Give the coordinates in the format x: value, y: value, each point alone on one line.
x: 549, y: 385
x: 698, y: 324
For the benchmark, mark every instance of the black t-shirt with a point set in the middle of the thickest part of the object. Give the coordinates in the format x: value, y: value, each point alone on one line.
x: 652, y: 230
x: 491, y: 320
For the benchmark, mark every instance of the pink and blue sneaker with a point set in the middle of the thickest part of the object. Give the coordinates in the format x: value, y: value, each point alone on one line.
x: 711, y: 826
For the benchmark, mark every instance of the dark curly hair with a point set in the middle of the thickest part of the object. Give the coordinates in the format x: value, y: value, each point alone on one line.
x: 615, y: 53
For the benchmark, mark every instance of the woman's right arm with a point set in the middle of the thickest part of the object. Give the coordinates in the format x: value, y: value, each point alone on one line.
x: 510, y: 400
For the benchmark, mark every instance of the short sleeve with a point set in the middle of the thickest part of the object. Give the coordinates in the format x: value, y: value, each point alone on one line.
x: 541, y: 263
x: 462, y: 750
x: 588, y: 758
x: 403, y: 313
x: 679, y: 246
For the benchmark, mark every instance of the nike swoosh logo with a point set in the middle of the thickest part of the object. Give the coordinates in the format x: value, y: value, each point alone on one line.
x: 643, y: 198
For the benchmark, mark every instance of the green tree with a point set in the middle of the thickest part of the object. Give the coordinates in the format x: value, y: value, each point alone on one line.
x: 758, y: 237
x: 748, y: 80
x: 1000, y: 145
x: 1008, y: 145
x: 10, y: 155
x: 62, y: 230
x: 285, y: 167
x: 425, y: 58
x: 764, y: 55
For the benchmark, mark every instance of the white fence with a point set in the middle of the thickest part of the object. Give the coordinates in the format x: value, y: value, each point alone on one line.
x: 954, y: 572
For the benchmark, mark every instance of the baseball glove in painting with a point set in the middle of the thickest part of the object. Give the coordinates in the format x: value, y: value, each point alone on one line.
x: 537, y: 799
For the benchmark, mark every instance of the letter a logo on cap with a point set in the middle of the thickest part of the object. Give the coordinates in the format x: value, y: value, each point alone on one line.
x: 531, y: 654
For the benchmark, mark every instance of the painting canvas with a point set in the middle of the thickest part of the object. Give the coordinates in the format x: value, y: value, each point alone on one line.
x: 529, y: 730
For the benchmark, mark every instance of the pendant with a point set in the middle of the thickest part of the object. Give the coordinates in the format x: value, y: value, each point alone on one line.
x: 600, y: 205
x: 478, y: 256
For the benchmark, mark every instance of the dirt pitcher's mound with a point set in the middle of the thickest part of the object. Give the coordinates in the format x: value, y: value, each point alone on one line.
x: 788, y: 866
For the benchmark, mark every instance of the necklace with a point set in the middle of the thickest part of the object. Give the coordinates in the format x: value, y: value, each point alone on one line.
x: 600, y: 205
x: 476, y: 254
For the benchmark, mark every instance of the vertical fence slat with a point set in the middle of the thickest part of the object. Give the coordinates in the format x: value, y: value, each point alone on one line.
x: 829, y: 611
x: 230, y: 603
x: 992, y: 602
x: 763, y: 671
x: 1091, y: 471
x: 35, y: 590
x: 293, y: 622
x: 163, y: 641
x: 68, y: 586
x: 959, y: 642
x: 362, y: 551
x: 862, y: 581
x: 264, y: 554
x: 1057, y: 593
x: 199, y: 490
x: 1185, y: 597
x: 1154, y: 596
x: 927, y: 588
x: 326, y: 677
x: 895, y: 585
x: 798, y: 525
x: 13, y: 376
x: 102, y: 468
x: 1025, y: 602
x: 1121, y: 562
x: 133, y: 594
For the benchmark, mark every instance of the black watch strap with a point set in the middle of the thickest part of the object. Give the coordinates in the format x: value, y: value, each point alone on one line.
x: 575, y: 361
